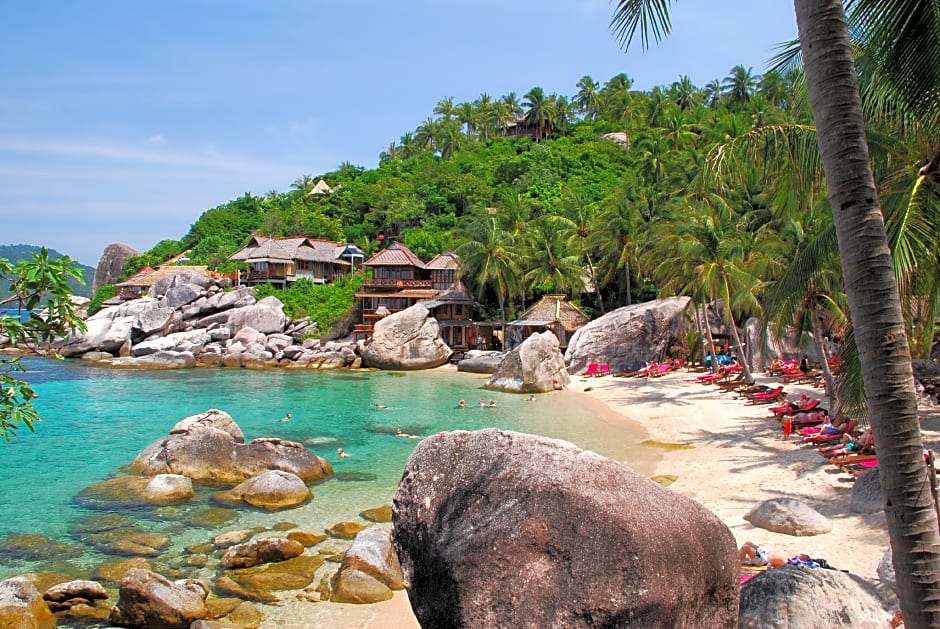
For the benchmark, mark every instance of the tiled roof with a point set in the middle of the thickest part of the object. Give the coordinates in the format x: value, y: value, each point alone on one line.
x: 396, y: 254
x: 444, y: 262
x: 556, y: 308
x: 264, y: 249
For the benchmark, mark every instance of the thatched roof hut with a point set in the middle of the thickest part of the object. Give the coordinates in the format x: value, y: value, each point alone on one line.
x: 552, y: 312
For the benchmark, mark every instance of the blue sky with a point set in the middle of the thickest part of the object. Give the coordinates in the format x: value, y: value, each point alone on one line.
x: 123, y: 121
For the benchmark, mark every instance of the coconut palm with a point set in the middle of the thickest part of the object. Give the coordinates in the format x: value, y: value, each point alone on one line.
x: 684, y: 93
x: 870, y: 282
x: 713, y: 93
x: 587, y: 98
x: 467, y: 114
x: 445, y: 107
x: 551, y: 266
x: 739, y: 85
x: 537, y: 111
x: 304, y: 183
x: 489, y: 258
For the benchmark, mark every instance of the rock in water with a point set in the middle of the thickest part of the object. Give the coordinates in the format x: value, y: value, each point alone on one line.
x: 410, y: 339
x: 502, y: 529
x: 148, y: 599
x: 22, y: 607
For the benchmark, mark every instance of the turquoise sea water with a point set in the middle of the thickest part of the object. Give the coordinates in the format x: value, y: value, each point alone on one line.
x: 95, y: 420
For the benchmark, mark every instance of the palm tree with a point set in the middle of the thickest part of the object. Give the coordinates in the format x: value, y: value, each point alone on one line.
x: 537, y: 111
x: 512, y: 102
x: 489, y: 258
x: 871, y: 286
x: 426, y: 134
x: 303, y: 183
x: 713, y: 93
x: 739, y: 85
x: 773, y: 88
x: 445, y: 107
x: 684, y: 93
x: 467, y: 115
x: 587, y: 98
x: 551, y: 266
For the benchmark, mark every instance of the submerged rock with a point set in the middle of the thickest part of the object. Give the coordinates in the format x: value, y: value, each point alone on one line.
x: 259, y: 551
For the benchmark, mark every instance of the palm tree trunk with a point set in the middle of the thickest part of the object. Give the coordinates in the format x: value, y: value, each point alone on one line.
x: 626, y: 275
x: 597, y: 291
x: 711, y: 339
x: 821, y: 348
x: 875, y: 308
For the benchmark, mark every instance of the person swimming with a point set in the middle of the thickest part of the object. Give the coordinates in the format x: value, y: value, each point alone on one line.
x: 492, y: 404
x: 531, y: 398
x: 342, y: 453
x: 462, y: 404
x: 287, y: 418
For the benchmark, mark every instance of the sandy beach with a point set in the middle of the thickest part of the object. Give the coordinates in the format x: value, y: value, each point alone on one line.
x: 724, y: 453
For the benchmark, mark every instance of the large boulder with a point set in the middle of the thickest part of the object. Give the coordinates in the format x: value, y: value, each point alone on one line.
x: 266, y: 316
x: 208, y: 449
x: 788, y: 516
x: 410, y: 339
x: 791, y: 596
x: 148, y: 599
x: 191, y: 341
x: 272, y: 490
x: 502, y: 529
x: 628, y: 337
x: 163, y: 359
x: 532, y: 367
x: 101, y: 334
x: 22, y: 607
x: 111, y: 264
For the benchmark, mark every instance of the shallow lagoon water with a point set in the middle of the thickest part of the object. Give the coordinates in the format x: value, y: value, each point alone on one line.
x: 96, y: 419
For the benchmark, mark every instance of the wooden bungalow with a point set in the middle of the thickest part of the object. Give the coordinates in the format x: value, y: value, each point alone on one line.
x: 453, y: 310
x: 281, y: 261
x: 400, y: 279
x: 552, y: 312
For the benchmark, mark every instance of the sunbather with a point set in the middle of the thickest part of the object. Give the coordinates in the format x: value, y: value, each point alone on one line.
x: 753, y: 555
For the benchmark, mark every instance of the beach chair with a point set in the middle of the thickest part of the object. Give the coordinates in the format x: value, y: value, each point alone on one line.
x: 767, y: 397
x: 591, y: 369
x: 603, y: 370
x: 661, y: 370
x: 789, y: 409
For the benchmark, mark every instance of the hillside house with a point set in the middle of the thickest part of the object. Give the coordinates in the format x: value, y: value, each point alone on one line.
x: 282, y: 261
x: 400, y: 279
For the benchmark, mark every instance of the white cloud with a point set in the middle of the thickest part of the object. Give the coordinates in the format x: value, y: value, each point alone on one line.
x: 155, y: 139
x: 209, y: 158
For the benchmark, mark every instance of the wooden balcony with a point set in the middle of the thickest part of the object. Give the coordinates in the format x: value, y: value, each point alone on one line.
x: 397, y: 284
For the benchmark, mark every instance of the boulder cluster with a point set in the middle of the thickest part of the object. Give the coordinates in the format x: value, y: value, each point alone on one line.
x: 192, y: 320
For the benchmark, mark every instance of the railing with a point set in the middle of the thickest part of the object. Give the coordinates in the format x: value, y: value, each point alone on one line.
x: 394, y: 283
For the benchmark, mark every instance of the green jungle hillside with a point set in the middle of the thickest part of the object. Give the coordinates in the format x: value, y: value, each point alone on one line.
x: 613, y: 195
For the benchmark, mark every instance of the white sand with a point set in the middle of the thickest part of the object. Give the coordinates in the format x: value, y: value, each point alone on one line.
x: 737, y: 458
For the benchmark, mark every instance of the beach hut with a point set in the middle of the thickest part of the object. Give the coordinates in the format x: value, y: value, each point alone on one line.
x: 138, y: 284
x: 453, y: 310
x: 552, y: 312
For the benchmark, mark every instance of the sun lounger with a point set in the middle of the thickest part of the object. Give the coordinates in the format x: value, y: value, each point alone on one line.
x: 591, y: 369
x: 788, y: 408
x: 603, y: 370
x: 661, y: 370
x: 767, y: 397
